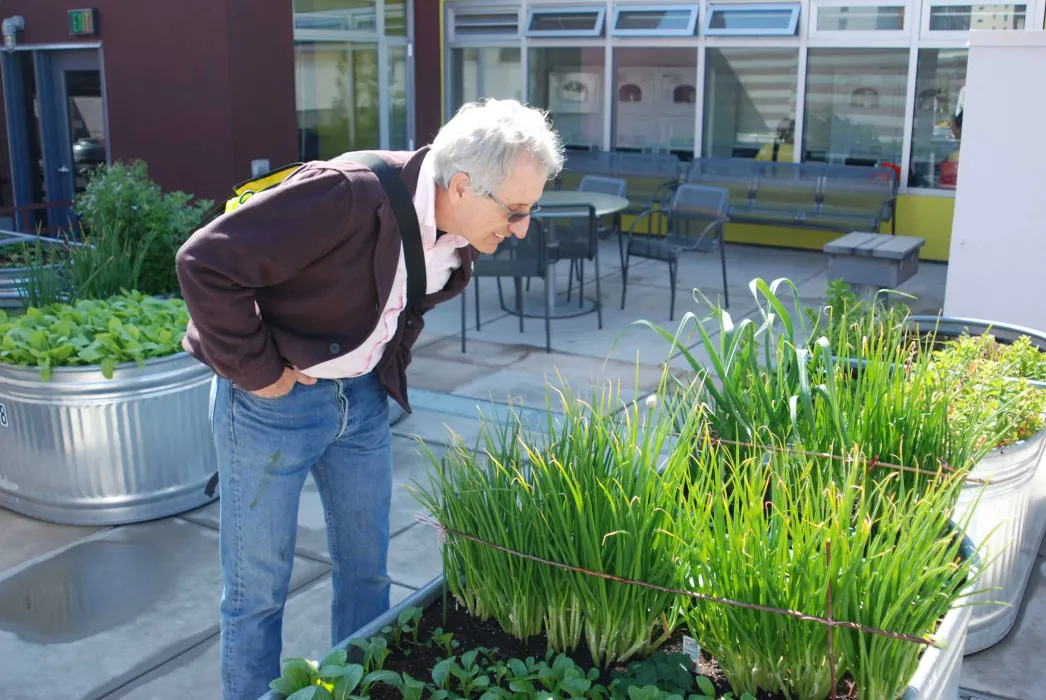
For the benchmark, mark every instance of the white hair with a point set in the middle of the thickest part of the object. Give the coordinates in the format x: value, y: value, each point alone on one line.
x: 484, y: 139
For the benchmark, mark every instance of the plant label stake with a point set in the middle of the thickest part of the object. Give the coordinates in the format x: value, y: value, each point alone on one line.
x: 692, y: 649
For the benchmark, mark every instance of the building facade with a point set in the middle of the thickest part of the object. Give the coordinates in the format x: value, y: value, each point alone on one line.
x: 209, y: 92
x: 206, y: 92
x: 869, y: 82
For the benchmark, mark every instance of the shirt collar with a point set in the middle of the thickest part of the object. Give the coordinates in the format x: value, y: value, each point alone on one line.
x: 425, y: 203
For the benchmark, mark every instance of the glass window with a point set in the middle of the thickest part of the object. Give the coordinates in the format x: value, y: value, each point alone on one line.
x: 750, y: 98
x: 478, y: 73
x: 399, y: 126
x: 860, y: 18
x: 855, y: 101
x: 87, y: 134
x: 486, y: 24
x: 655, y: 99
x: 655, y: 20
x: 940, y: 89
x: 395, y: 18
x: 963, y: 18
x: 750, y: 19
x: 564, y: 21
x: 568, y: 82
x: 337, y: 15
x: 337, y: 97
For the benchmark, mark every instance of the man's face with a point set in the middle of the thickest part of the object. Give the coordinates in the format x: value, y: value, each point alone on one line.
x: 486, y: 220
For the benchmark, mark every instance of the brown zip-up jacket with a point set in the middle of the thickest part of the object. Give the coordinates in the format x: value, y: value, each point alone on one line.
x: 299, y: 275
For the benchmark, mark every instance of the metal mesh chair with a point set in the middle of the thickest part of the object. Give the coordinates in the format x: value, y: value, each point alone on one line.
x: 516, y: 258
x: 577, y: 240
x: 607, y: 185
x: 694, y: 221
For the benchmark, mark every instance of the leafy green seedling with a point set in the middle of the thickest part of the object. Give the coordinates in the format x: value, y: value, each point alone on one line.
x: 406, y: 623
x: 296, y: 674
x: 375, y: 651
x: 443, y: 640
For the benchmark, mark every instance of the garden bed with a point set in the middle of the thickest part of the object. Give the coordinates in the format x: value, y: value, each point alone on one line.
x: 936, y: 678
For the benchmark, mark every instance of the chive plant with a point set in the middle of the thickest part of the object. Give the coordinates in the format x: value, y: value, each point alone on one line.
x: 781, y: 379
x: 767, y: 479
x: 901, y: 576
x: 597, y: 491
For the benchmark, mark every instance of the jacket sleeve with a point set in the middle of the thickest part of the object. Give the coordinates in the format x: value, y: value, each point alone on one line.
x: 265, y: 241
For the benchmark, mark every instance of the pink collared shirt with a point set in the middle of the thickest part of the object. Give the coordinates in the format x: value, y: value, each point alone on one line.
x: 441, y: 259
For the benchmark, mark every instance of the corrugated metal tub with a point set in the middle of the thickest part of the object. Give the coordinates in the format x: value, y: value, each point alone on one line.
x: 81, y: 449
x: 10, y: 277
x: 1008, y: 505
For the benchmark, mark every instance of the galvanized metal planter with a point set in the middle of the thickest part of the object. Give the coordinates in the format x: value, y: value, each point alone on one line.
x: 10, y: 279
x: 81, y: 449
x: 935, y: 678
x: 1000, y: 525
x: 1007, y: 522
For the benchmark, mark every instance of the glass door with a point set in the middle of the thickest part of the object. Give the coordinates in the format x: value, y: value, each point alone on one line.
x: 55, y: 107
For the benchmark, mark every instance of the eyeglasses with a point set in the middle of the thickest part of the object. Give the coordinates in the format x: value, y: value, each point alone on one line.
x: 513, y: 215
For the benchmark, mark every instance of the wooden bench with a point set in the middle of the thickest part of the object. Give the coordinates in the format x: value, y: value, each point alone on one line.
x: 871, y: 262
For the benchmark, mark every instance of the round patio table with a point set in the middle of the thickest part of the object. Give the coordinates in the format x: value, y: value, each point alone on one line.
x: 556, y: 204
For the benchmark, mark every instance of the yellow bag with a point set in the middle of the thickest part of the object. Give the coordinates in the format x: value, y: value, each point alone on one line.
x: 245, y: 189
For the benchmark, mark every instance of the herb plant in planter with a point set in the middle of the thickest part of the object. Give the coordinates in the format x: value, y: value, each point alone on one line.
x: 104, y: 418
x: 615, y: 530
x: 994, y: 379
x: 31, y: 272
x: 917, y: 400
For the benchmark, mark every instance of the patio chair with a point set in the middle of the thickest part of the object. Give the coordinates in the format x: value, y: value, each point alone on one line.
x: 693, y: 207
x: 577, y: 240
x: 516, y: 258
x: 607, y: 185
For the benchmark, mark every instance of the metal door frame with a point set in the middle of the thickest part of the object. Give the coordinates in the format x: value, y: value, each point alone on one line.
x: 384, y: 72
x: 49, y: 63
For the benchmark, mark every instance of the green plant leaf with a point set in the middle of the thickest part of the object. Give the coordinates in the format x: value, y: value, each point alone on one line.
x: 348, y: 682
x: 383, y: 676
x: 313, y: 692
x: 283, y: 686
x: 337, y: 657
x: 441, y: 672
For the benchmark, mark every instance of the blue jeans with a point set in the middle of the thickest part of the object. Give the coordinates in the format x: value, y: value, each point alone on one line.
x: 338, y: 430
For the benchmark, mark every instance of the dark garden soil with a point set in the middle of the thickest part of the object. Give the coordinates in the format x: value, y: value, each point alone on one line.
x: 470, y: 633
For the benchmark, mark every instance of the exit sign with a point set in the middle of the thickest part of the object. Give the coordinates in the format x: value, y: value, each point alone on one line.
x: 83, y: 22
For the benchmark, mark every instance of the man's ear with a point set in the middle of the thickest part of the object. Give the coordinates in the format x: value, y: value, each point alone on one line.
x: 459, y: 185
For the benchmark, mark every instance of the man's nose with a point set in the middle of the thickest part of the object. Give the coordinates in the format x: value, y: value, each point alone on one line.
x: 519, y: 228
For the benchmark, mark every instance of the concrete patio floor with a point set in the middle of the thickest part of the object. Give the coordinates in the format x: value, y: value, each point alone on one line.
x: 131, y: 612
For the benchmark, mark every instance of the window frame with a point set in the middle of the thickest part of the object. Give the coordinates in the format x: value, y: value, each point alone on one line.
x: 454, y: 12
x: 1032, y: 20
x: 917, y: 189
x: 688, y: 43
x: 714, y: 6
x: 534, y: 9
x: 618, y: 8
x: 777, y: 44
x: 847, y: 36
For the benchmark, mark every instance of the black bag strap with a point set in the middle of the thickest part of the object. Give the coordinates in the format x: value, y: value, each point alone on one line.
x: 410, y: 231
x: 407, y: 216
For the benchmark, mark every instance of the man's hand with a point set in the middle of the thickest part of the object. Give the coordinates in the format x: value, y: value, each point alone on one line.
x: 284, y: 384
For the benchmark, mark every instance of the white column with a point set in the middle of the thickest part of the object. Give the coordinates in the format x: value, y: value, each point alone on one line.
x: 998, y: 247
